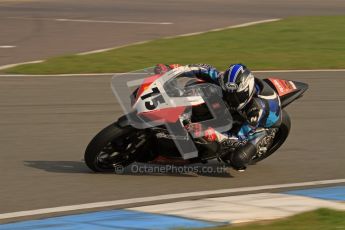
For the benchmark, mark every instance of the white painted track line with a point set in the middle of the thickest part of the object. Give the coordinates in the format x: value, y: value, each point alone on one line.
x: 7, y: 47
x: 110, y: 74
x: 114, y: 22
x: 142, y: 42
x: 186, y: 35
x: 136, y: 43
x: 229, y: 27
x: 92, y: 21
x: 22, y: 63
x: 162, y: 197
x: 299, y: 70
x: 58, y: 75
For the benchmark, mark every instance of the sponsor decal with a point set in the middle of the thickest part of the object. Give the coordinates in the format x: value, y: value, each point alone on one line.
x: 231, y: 86
x: 283, y: 87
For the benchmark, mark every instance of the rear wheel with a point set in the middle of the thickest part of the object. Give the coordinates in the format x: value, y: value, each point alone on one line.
x: 113, y: 146
x: 279, y: 139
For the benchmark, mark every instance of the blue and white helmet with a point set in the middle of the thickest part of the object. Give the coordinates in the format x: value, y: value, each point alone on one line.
x: 238, y: 85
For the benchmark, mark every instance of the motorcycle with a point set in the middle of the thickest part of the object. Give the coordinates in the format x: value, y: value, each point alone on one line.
x: 163, y: 123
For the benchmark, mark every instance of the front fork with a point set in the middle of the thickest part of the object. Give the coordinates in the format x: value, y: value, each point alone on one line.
x: 264, y: 143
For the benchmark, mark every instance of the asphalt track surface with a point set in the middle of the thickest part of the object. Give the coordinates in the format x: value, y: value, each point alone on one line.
x: 46, y: 123
x: 32, y: 28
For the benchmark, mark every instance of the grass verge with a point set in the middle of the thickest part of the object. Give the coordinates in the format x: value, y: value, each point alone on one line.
x: 321, y: 219
x: 292, y: 43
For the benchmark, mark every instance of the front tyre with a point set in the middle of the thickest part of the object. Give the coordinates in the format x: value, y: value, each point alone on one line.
x: 113, y: 147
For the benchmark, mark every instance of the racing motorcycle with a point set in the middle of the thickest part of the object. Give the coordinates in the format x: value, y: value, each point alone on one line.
x: 171, y: 118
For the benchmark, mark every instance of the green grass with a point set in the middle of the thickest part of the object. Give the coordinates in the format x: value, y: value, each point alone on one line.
x: 292, y: 43
x: 321, y: 219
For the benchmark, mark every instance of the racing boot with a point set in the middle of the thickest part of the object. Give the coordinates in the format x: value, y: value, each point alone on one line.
x: 242, y: 156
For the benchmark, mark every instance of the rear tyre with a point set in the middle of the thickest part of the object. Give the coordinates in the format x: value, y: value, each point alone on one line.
x: 279, y: 139
x: 111, y: 148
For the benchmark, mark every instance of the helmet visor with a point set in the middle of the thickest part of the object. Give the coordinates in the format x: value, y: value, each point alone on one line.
x: 237, y: 99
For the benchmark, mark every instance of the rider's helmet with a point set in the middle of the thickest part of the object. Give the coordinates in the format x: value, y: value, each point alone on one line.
x: 238, y: 85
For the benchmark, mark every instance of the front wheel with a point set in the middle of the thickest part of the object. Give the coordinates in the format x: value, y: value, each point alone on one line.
x: 113, y: 146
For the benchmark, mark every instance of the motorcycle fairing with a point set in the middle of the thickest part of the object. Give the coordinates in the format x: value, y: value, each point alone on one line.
x: 288, y: 90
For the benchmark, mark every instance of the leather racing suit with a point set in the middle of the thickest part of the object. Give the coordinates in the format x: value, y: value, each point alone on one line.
x: 252, y: 124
